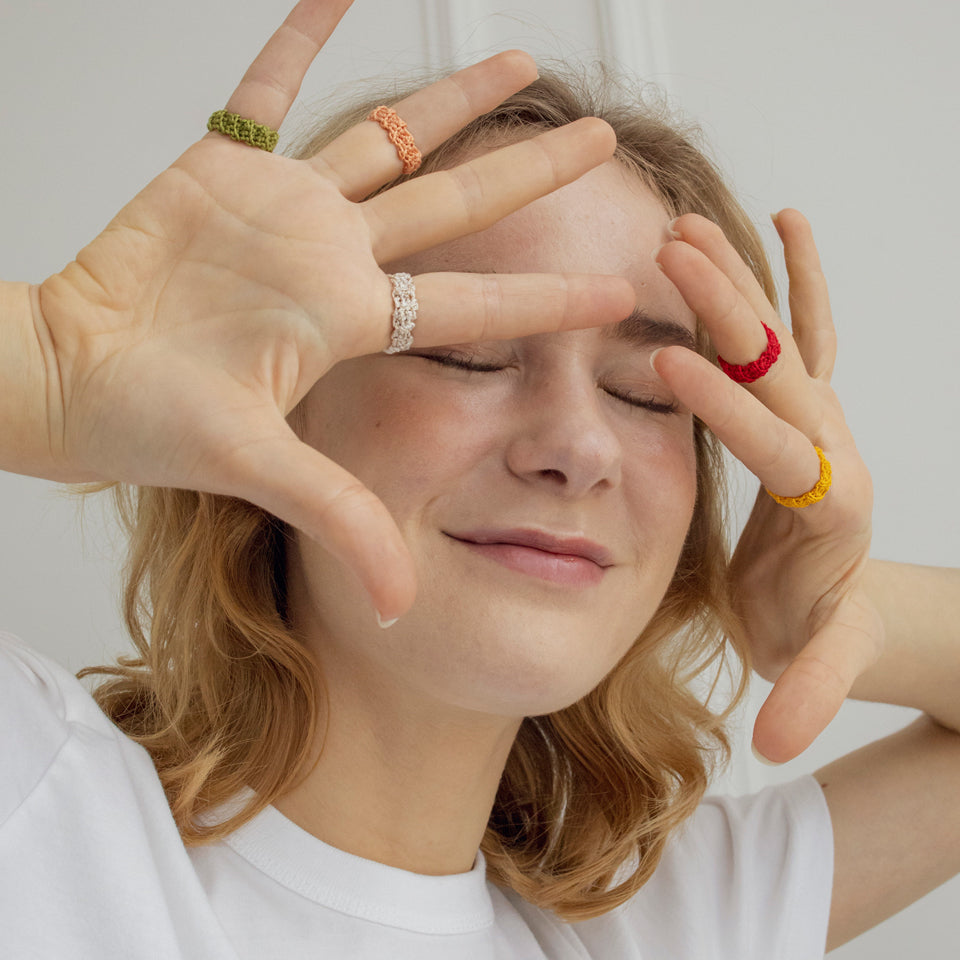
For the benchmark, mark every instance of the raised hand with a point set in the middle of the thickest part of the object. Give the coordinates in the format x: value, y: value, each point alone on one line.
x: 171, y: 350
x: 796, y: 572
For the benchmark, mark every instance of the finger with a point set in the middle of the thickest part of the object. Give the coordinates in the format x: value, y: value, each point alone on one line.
x: 474, y: 307
x: 808, y: 694
x: 810, y: 313
x: 776, y: 452
x: 732, y: 319
x: 711, y: 241
x: 272, y: 81
x: 428, y: 210
x: 300, y: 486
x: 363, y: 158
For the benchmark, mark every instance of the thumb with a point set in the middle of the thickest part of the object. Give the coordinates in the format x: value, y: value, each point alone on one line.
x: 810, y: 692
x: 302, y: 487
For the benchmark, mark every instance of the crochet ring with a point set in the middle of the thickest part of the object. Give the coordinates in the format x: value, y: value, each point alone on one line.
x: 405, y: 308
x: 399, y: 135
x: 241, y: 129
x: 818, y: 492
x: 748, y: 372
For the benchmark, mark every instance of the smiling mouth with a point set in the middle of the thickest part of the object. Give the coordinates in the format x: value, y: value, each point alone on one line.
x: 570, y: 562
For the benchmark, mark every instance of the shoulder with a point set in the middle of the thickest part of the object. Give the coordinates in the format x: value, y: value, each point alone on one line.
x: 38, y: 684
x: 42, y: 708
x: 760, y: 826
x: 747, y: 876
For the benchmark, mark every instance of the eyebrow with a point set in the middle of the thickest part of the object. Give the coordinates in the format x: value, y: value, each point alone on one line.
x: 644, y: 331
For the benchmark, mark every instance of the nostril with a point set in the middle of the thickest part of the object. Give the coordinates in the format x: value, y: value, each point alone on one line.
x: 555, y: 475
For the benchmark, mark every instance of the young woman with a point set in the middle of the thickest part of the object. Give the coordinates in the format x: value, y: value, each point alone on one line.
x: 415, y: 629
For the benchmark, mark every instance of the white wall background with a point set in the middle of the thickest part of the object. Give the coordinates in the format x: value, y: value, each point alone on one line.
x: 845, y: 110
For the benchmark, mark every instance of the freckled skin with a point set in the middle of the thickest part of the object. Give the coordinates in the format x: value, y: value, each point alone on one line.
x: 420, y: 718
x: 537, y: 444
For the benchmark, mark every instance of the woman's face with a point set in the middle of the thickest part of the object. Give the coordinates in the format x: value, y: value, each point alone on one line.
x: 543, y: 485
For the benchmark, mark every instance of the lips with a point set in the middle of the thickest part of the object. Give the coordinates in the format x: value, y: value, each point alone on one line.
x: 569, y: 561
x: 539, y: 540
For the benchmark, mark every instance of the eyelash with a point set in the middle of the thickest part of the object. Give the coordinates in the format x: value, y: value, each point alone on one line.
x: 451, y: 360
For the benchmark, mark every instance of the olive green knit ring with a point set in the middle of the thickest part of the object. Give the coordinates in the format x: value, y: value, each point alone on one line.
x: 243, y: 130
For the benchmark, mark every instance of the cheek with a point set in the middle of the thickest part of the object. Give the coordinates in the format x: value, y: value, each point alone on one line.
x: 661, y: 479
x: 402, y: 437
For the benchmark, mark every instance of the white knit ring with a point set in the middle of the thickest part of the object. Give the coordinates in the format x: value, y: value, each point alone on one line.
x: 404, y: 312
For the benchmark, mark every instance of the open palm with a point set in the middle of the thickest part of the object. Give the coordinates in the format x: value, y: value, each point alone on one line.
x: 796, y: 572
x: 180, y: 338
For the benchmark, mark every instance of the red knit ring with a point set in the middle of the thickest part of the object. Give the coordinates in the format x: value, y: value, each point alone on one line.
x: 748, y: 372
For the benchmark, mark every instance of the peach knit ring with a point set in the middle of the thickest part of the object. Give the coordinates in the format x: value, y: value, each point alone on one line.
x: 399, y: 136
x: 748, y: 372
x: 811, y: 496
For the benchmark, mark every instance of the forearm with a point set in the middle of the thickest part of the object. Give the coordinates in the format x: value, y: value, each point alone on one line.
x: 920, y: 666
x: 896, y: 824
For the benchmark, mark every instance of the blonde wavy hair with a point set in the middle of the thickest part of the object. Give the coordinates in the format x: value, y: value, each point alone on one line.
x: 224, y: 696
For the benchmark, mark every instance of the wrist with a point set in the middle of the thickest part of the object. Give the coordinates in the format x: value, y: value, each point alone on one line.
x: 920, y: 665
x: 31, y: 408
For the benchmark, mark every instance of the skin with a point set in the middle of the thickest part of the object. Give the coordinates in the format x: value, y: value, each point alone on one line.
x: 170, y: 352
x: 422, y: 716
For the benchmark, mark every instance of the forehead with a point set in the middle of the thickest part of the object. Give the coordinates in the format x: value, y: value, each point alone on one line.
x: 606, y: 222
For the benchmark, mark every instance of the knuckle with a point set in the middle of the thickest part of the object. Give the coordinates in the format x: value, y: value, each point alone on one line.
x: 491, y: 312
x: 470, y: 191
x: 550, y: 160
x: 260, y: 75
x: 465, y: 90
x: 348, y: 499
x: 823, y: 674
x: 778, y: 453
x: 741, y: 275
x: 725, y: 413
x: 728, y: 314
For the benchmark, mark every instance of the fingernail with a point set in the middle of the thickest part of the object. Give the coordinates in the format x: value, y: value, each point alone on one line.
x: 672, y: 230
x: 655, y: 254
x: 653, y: 355
x: 385, y: 623
x: 762, y: 758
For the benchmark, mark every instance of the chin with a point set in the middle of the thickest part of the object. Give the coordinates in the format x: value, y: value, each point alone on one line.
x: 520, y: 672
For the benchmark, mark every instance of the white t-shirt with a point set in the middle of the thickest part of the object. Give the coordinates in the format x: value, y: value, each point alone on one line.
x: 92, y: 866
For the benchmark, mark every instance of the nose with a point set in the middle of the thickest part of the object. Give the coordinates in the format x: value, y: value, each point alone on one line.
x: 562, y: 437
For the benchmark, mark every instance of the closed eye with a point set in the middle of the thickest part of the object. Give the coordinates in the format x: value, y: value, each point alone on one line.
x: 649, y: 403
x: 653, y: 404
x: 453, y: 360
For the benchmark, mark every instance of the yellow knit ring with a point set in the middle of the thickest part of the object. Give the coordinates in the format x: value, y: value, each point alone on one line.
x: 814, y: 495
